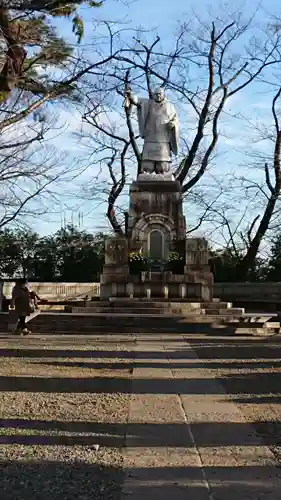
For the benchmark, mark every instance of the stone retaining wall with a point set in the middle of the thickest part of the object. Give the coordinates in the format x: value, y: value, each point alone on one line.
x: 249, y: 292
x: 230, y: 292
x: 58, y: 291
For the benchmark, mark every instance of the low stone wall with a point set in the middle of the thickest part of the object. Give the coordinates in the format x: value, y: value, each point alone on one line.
x: 58, y: 291
x: 269, y: 293
x: 231, y: 292
x: 1, y: 294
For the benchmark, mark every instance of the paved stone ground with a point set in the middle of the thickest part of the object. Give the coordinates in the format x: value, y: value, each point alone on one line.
x: 200, y: 417
x: 59, y: 410
x: 250, y: 372
x: 193, y: 441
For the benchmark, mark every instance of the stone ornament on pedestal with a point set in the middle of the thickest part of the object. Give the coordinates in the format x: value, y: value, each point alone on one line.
x: 196, y: 253
x: 116, y: 251
x: 156, y: 177
x: 115, y: 274
x: 197, y: 268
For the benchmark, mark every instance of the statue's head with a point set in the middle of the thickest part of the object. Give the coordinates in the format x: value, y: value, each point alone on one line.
x: 159, y: 94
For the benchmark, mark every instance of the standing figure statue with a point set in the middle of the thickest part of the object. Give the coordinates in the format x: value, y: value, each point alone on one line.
x: 159, y: 127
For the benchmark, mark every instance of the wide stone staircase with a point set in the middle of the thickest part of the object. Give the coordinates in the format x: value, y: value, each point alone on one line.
x: 132, y: 316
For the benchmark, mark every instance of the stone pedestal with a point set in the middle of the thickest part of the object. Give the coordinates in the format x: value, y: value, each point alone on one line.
x: 116, y: 269
x: 197, y: 268
x: 196, y: 254
x: 156, y: 225
x: 155, y: 207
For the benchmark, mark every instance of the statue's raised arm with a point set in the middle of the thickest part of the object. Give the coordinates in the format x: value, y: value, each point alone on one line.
x: 130, y: 98
x: 159, y: 127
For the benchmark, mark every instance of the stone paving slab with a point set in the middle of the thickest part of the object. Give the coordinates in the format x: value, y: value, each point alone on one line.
x: 152, y: 469
x: 234, y: 458
x: 195, y: 444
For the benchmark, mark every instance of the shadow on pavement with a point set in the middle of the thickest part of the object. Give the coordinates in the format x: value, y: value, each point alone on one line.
x: 224, y: 349
x: 58, y: 480
x: 249, y: 384
x: 208, y: 364
x: 207, y: 434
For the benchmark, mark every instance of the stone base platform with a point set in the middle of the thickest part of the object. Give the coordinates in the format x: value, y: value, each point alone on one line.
x: 143, y: 306
x: 152, y: 316
x: 170, y: 287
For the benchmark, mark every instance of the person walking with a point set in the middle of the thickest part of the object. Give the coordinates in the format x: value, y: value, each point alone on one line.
x: 22, y: 304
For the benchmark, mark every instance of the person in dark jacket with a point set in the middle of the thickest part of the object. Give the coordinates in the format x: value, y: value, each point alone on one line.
x: 22, y: 304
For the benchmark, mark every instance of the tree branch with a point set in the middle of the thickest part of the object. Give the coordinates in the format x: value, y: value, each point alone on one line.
x: 128, y: 112
x: 211, y: 147
x: 204, y: 113
x: 21, y: 144
x: 267, y: 179
x: 148, y: 51
x: 115, y: 192
x: 251, y: 228
x: 6, y: 220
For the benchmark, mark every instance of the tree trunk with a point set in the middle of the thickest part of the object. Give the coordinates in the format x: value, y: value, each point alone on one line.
x: 248, y: 261
x: 14, y: 58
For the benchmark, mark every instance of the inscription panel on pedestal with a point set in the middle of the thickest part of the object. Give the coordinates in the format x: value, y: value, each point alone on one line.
x: 116, y: 251
x: 197, y: 253
x: 156, y: 244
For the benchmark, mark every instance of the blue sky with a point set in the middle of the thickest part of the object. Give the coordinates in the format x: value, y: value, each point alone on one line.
x: 164, y: 16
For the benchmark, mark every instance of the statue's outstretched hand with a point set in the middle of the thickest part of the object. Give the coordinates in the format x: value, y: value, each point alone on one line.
x: 130, y: 98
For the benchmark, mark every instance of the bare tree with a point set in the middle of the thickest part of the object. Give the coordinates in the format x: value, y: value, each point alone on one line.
x: 30, y: 170
x: 202, y: 72
x: 263, y: 195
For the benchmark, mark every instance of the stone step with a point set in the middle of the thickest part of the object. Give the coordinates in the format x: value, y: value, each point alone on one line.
x: 261, y: 318
x: 252, y: 324
x: 115, y: 323
x: 143, y: 304
x: 93, y: 318
x: 134, y: 310
x: 184, y: 328
x: 187, y: 328
x: 195, y: 329
x: 232, y: 311
x: 154, y: 300
x: 52, y: 307
x: 255, y: 331
x: 217, y: 306
x: 216, y: 299
x: 61, y: 323
x: 113, y: 327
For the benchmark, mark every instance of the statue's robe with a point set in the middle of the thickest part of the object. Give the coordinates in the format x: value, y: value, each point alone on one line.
x: 160, y: 141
